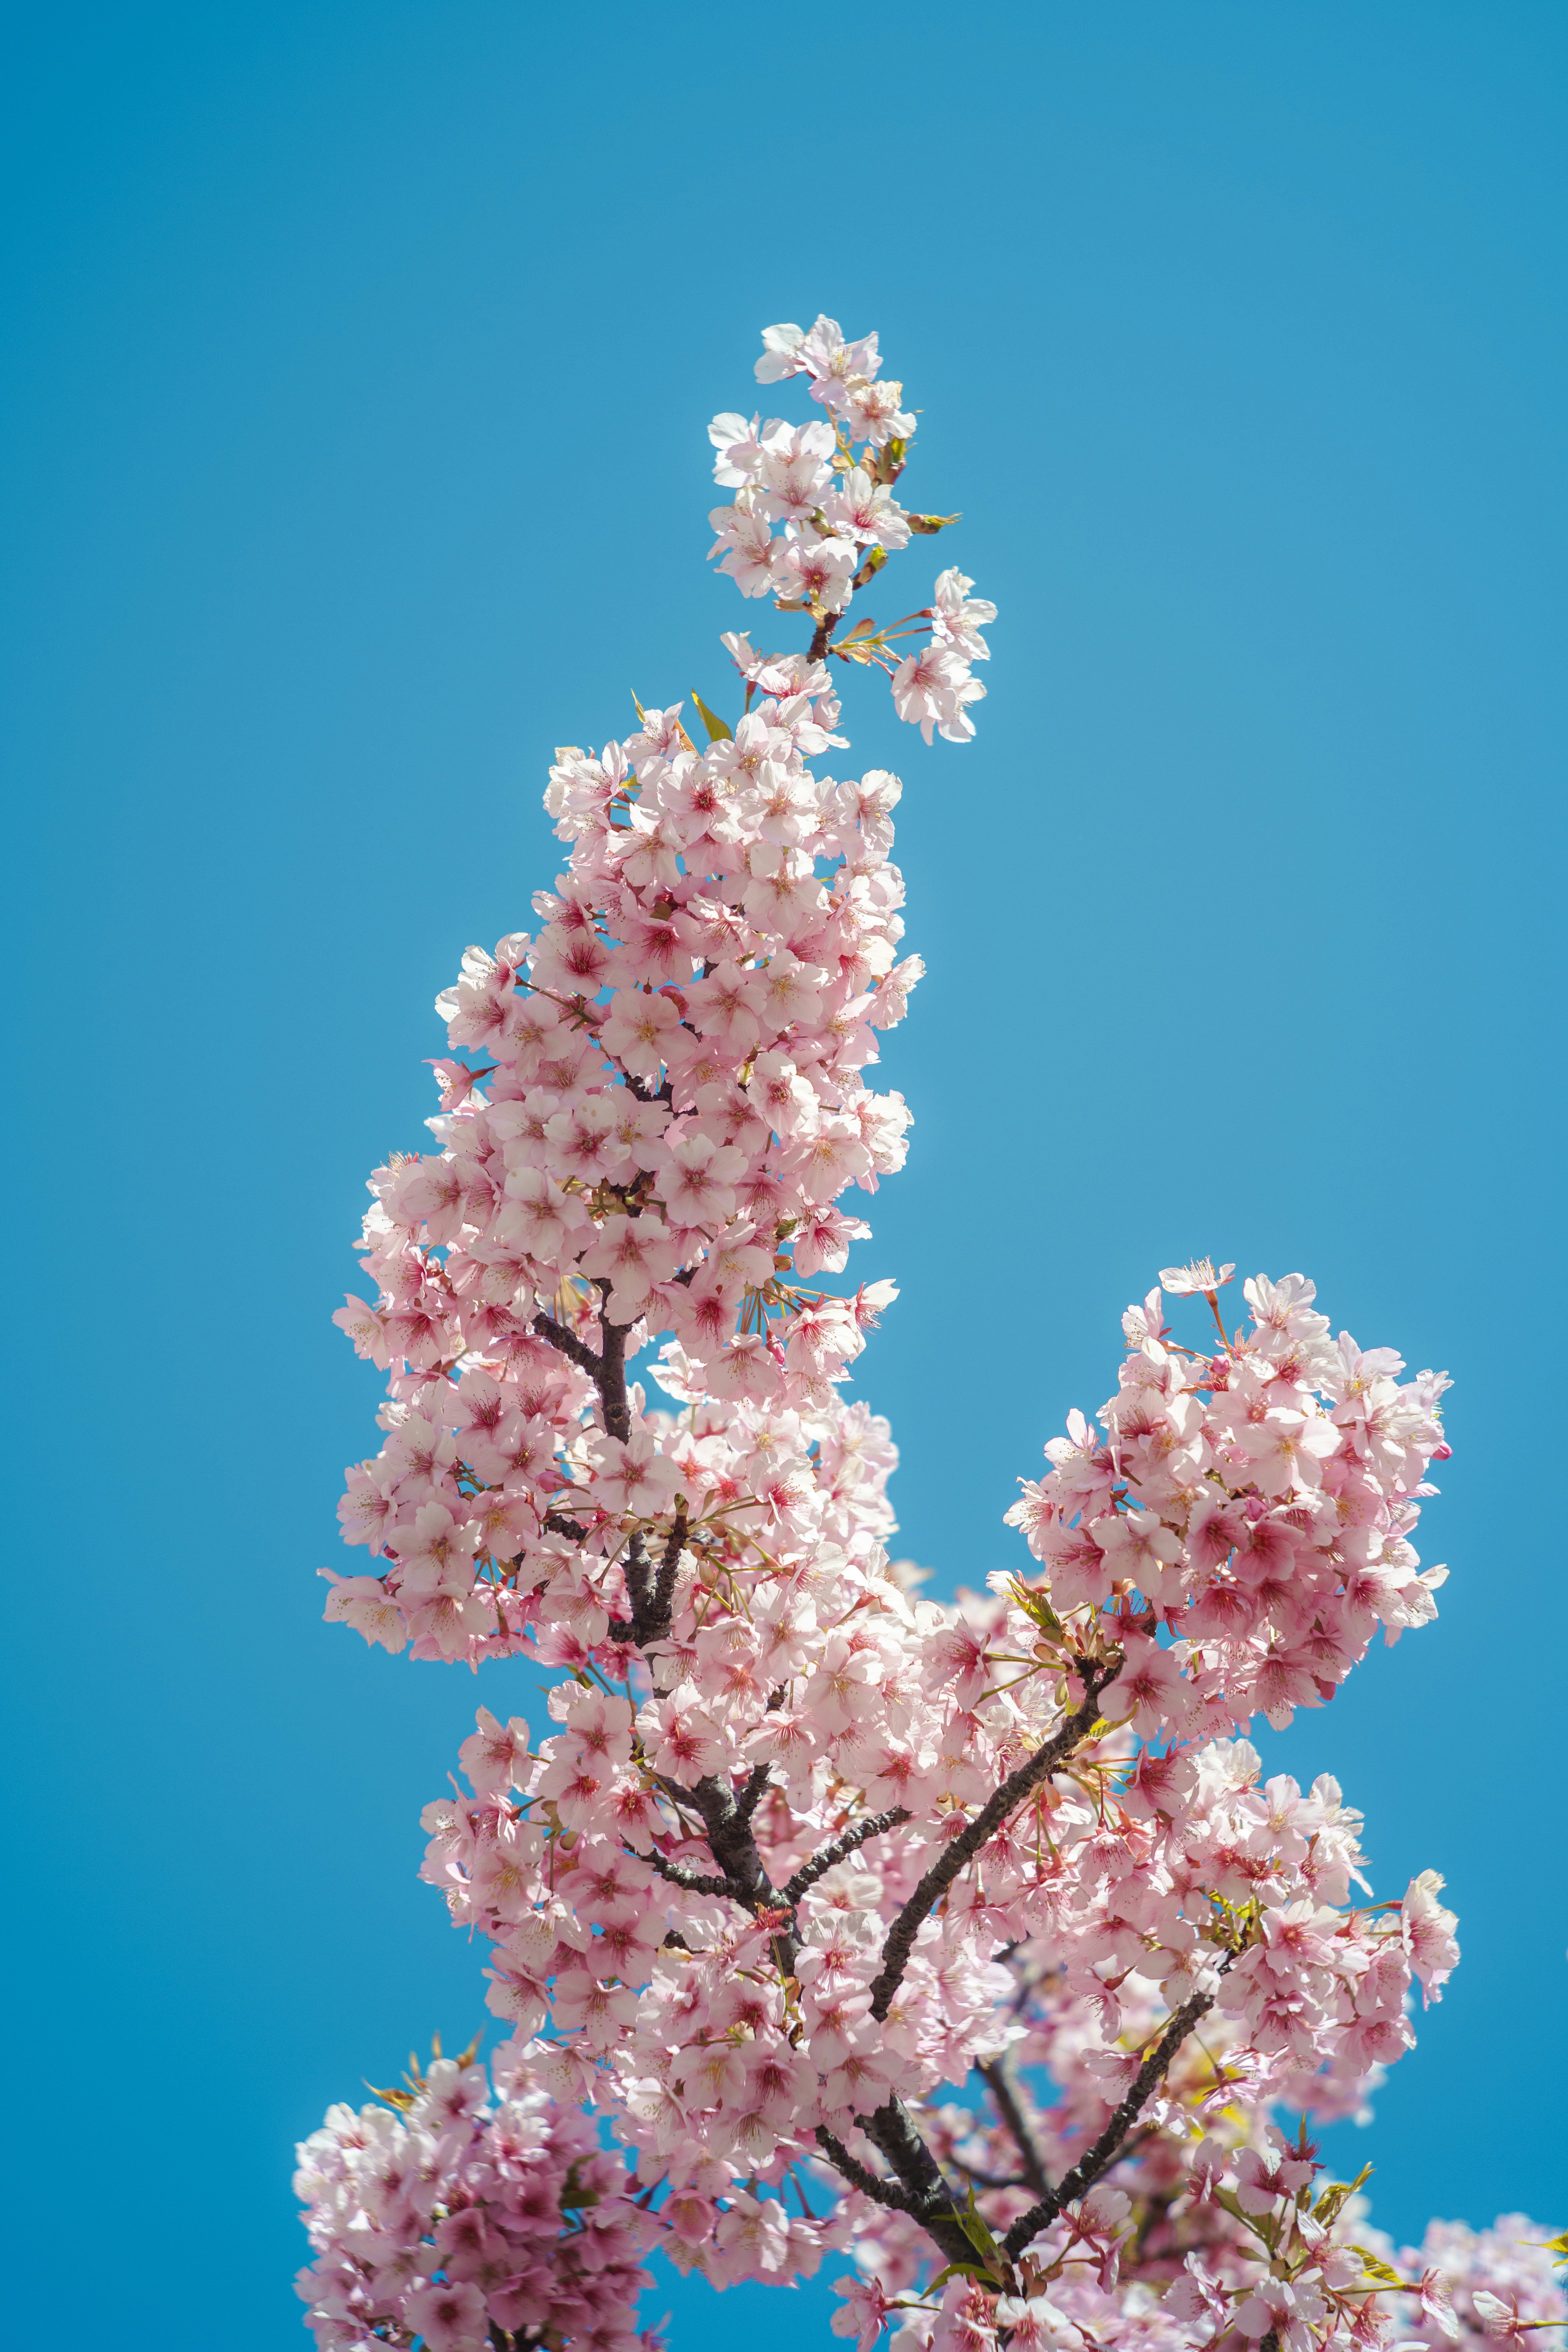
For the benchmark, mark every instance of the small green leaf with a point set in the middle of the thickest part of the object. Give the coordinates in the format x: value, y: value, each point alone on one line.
x: 972, y: 2223
x: 717, y: 730
x: 1377, y: 2270
x: 1337, y: 2193
x: 959, y: 2270
x: 1035, y: 1605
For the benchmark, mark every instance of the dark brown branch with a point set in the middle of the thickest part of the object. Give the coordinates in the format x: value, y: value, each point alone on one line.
x: 637, y: 1573
x: 569, y: 1345
x: 1107, y: 2146
x: 612, y: 1375
x: 892, y: 2129
x: 607, y: 1371
x: 999, y: 2079
x: 656, y: 1608
x: 820, y: 1864
x: 937, y: 2216
x: 881, y: 2192
x: 691, y: 1882
x: 989, y: 2179
x: 956, y: 1856
x: 733, y: 1846
x: 751, y: 1795
x: 821, y: 634
x: 558, y: 1525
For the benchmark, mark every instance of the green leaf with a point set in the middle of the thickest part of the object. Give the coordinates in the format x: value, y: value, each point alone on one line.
x: 1337, y: 2193
x: 978, y: 2235
x: 973, y: 2226
x: 928, y: 525
x: 1034, y: 1604
x: 717, y: 730
x: 1378, y: 2270
x: 959, y: 2270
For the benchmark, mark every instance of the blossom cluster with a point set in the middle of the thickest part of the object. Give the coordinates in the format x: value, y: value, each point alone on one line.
x: 804, y: 1850
x: 1260, y: 1497
x: 1502, y: 2284
x: 1219, y: 2231
x: 436, y: 2211
x: 674, y: 1101
x: 1262, y: 2254
x: 838, y: 522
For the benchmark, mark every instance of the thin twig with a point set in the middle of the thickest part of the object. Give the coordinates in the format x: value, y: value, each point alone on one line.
x: 881, y: 2192
x: 999, y: 2079
x: 1107, y: 2146
x: 820, y: 1864
x: 901, y: 1936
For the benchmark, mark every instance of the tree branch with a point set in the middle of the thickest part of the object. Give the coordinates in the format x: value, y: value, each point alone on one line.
x: 823, y: 631
x: 733, y: 1846
x: 607, y: 1371
x: 569, y: 1345
x: 962, y: 1849
x: 613, y: 1370
x: 936, y: 2215
x: 1107, y: 2146
x: 880, y: 2193
x: 692, y: 1882
x: 892, y: 2129
x: 654, y: 1610
x: 636, y: 1575
x: 999, y: 2079
x: 820, y: 1864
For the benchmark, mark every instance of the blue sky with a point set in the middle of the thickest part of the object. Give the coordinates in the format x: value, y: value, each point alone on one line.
x: 358, y: 363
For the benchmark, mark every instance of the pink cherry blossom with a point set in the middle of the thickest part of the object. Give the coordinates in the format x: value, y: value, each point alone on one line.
x: 802, y: 1848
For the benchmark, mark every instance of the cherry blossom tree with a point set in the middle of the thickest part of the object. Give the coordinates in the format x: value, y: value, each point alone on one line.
x: 966, y: 1941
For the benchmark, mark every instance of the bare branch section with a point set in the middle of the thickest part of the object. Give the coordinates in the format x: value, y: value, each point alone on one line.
x: 569, y: 1345
x: 920, y: 2191
x: 999, y: 2079
x: 839, y: 1850
x: 658, y: 1606
x: 859, y: 2176
x: 691, y: 1882
x: 962, y: 1849
x: 1107, y: 2146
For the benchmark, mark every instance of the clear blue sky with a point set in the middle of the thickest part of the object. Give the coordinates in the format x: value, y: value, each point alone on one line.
x: 358, y: 363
